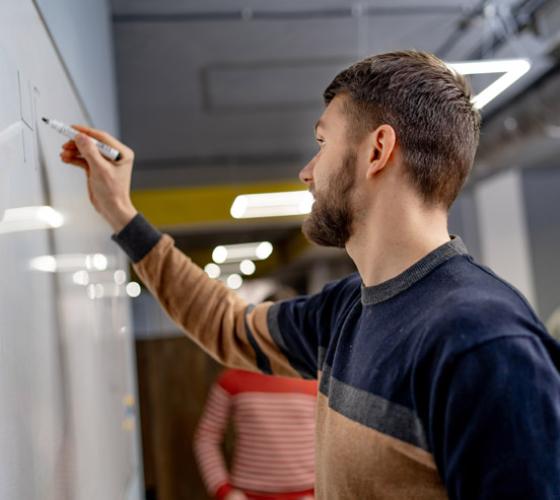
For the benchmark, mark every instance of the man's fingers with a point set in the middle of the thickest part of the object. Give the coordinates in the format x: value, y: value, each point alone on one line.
x: 72, y: 159
x: 89, y: 151
x: 78, y: 163
x: 70, y: 146
x: 104, y: 137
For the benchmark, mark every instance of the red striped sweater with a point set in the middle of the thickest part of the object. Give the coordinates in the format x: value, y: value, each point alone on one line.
x: 274, y: 419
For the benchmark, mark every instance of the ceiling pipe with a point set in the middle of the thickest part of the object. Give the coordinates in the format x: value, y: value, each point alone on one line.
x: 519, y: 18
x: 284, y: 15
x: 462, y: 26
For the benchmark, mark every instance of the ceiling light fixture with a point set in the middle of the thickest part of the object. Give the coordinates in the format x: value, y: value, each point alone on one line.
x: 512, y: 69
x: 247, y: 206
x: 236, y: 253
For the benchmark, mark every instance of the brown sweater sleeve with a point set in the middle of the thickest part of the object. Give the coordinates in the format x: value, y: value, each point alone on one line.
x: 233, y: 332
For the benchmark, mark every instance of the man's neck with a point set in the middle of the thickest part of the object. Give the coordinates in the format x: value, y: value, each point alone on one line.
x: 386, y: 244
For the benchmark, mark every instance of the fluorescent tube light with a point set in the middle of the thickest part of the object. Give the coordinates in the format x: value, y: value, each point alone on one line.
x: 512, y: 69
x: 30, y: 218
x: 236, y: 253
x: 246, y: 267
x: 271, y: 204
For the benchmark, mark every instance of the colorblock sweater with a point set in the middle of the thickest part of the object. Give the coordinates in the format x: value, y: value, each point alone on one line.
x: 274, y: 420
x: 439, y: 383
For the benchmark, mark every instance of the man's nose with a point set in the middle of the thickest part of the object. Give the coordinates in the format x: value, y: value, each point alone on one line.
x: 306, y: 173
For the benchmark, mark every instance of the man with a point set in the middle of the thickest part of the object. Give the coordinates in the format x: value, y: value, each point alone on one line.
x: 436, y: 379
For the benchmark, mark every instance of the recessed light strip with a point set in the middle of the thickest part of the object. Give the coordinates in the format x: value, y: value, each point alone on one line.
x: 236, y: 253
x: 513, y: 70
x: 247, y: 206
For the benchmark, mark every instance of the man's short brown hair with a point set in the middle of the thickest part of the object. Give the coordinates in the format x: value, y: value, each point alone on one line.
x: 428, y: 105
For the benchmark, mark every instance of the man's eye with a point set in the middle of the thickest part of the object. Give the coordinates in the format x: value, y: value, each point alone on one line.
x: 321, y: 142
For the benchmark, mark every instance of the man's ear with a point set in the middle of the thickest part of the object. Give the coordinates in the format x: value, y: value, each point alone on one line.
x: 381, y: 145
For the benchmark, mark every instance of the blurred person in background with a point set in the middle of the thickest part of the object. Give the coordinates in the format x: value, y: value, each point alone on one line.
x: 274, y: 422
x: 553, y: 324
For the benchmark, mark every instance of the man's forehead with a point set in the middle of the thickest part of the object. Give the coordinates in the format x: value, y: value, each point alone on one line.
x: 331, y: 112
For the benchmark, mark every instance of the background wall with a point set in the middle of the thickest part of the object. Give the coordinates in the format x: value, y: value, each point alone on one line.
x: 174, y: 377
x: 541, y: 189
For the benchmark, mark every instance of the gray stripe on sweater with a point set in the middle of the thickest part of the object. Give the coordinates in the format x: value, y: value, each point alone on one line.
x: 373, y: 411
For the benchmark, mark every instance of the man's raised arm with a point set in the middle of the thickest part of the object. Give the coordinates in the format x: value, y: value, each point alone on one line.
x: 230, y: 330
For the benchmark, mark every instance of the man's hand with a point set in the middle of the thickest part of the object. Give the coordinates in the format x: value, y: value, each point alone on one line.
x: 235, y: 495
x: 108, y: 182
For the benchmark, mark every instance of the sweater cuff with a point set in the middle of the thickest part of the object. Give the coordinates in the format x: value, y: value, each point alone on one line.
x: 223, y: 490
x: 137, y: 238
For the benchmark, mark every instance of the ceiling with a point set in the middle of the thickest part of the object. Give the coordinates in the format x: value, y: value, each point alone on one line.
x: 216, y: 93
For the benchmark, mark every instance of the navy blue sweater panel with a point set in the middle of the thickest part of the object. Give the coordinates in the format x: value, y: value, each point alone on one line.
x: 302, y: 327
x: 457, y: 364
x: 450, y: 311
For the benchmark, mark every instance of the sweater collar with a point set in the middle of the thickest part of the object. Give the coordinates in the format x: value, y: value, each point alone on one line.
x: 384, y: 291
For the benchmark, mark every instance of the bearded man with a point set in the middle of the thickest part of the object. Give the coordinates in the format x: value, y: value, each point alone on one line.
x: 436, y: 379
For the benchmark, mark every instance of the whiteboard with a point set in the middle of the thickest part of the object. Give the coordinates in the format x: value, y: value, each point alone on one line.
x: 68, y: 417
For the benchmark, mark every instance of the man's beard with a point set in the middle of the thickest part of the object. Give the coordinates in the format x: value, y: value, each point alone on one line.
x: 330, y: 221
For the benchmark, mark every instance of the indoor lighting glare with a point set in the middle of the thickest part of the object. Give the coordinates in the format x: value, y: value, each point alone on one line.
x: 97, y: 261
x: 212, y: 270
x: 119, y: 276
x: 30, y: 218
x: 81, y: 278
x: 133, y: 289
x: 70, y: 262
x: 234, y: 281
x: 108, y: 290
x: 219, y: 255
x: 237, y: 253
x: 264, y: 250
x: 246, y: 206
x: 247, y: 267
x: 45, y: 263
x: 96, y: 291
x: 512, y: 69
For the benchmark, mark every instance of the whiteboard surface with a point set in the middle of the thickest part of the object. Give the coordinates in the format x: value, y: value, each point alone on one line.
x: 68, y: 420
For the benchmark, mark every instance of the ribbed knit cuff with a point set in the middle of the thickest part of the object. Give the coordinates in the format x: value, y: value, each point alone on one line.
x: 223, y: 490
x: 137, y: 238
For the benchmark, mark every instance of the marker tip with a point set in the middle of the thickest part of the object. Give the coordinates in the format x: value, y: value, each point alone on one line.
x: 45, y: 120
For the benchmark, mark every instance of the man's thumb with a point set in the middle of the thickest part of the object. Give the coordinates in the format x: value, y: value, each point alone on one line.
x: 87, y: 147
